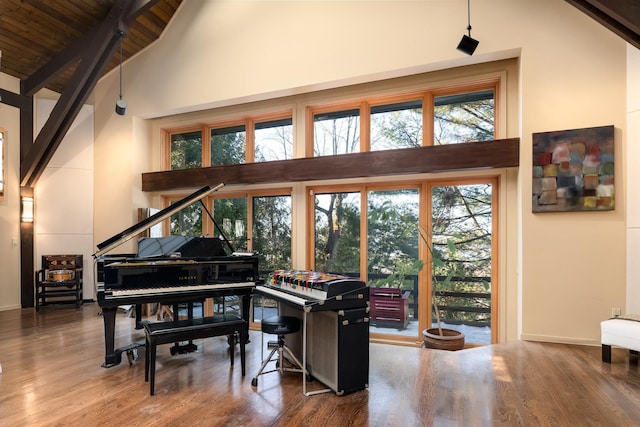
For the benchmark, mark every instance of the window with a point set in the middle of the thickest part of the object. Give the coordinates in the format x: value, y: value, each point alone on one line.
x: 365, y: 228
x: 271, y: 238
x: 265, y: 228
x: 337, y: 233
x: 187, y: 222
x: 392, y: 248
x: 271, y: 234
x: 273, y: 140
x: 396, y: 125
x: 228, y: 145
x: 185, y: 150
x: 231, y: 215
x: 2, y: 165
x: 253, y: 139
x: 464, y: 117
x: 392, y: 238
x: 336, y: 133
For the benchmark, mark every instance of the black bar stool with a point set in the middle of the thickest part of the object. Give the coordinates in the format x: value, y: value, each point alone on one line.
x: 280, y: 326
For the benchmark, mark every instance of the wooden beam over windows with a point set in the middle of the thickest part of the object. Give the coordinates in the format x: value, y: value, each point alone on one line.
x: 500, y: 153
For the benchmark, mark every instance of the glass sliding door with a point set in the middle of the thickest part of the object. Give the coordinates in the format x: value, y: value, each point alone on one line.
x: 231, y: 215
x: 337, y: 233
x: 462, y: 237
x: 271, y: 238
x: 393, y: 263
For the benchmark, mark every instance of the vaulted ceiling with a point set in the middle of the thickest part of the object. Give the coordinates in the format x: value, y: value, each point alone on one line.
x: 67, y: 45
x: 33, y: 32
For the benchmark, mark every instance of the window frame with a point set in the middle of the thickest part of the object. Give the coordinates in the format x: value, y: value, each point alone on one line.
x: 427, y: 95
x: 3, y: 163
x: 248, y: 121
x: 424, y: 187
x: 166, y: 144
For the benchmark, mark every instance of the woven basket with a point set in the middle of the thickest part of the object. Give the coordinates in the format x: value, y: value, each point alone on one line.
x: 449, y: 340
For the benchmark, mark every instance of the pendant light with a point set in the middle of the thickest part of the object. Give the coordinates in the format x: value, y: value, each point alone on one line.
x: 467, y: 44
x: 121, y: 105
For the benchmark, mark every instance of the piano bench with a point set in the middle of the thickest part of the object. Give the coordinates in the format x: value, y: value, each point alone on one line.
x: 157, y: 333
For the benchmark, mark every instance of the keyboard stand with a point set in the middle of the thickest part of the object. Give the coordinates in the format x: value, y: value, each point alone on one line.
x: 304, y: 357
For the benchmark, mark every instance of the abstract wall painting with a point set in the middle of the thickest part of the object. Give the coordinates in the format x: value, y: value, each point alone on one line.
x: 573, y: 170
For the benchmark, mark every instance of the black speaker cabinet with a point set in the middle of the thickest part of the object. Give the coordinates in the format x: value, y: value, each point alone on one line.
x: 337, y: 347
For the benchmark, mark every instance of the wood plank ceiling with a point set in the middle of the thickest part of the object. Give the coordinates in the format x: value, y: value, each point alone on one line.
x: 33, y: 32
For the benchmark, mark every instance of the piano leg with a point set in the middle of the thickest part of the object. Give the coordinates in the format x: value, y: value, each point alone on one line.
x: 113, y: 356
x: 109, y: 318
x: 246, y: 313
x: 138, y: 316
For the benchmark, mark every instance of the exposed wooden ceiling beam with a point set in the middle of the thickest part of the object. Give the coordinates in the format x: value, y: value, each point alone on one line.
x: 95, y: 50
x: 473, y: 155
x: 60, y: 62
x: 620, y: 16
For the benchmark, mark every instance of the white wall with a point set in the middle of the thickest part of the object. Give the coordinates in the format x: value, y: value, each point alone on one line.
x: 64, y: 195
x: 568, y: 269
x: 10, y: 204
x: 633, y: 180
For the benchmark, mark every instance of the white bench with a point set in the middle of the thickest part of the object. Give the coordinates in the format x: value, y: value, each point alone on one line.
x: 619, y: 332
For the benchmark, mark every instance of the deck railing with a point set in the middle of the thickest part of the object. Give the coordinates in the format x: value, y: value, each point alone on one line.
x: 468, y: 308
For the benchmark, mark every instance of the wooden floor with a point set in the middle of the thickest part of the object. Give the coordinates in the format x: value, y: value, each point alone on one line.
x: 52, y: 377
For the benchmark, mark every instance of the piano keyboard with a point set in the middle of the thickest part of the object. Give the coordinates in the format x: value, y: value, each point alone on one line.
x: 282, y: 294
x: 173, y: 289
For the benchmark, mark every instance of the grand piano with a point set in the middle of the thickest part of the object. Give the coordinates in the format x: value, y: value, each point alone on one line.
x: 200, y: 268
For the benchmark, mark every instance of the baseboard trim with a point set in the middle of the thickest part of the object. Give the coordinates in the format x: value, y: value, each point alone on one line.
x: 560, y: 340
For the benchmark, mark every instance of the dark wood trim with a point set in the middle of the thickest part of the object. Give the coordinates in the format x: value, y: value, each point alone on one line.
x: 620, y: 16
x: 96, y: 49
x: 94, y: 57
x: 500, y: 153
x: 74, y: 51
x: 14, y: 99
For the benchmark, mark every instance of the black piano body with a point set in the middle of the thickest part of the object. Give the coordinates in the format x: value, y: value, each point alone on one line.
x: 197, y: 270
x: 171, y: 281
x: 334, y: 342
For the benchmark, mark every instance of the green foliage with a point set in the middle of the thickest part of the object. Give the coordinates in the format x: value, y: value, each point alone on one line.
x: 271, y: 235
x: 337, y: 233
x: 187, y: 222
x: 464, y: 122
x: 186, y: 150
x: 392, y: 237
x: 228, y: 148
x: 229, y: 212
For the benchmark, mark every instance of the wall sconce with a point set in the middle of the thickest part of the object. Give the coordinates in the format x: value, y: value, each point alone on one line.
x: 26, y: 214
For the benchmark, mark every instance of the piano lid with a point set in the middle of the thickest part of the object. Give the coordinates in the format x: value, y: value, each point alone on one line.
x: 154, y: 219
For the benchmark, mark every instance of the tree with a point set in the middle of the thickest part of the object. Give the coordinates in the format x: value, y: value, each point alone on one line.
x: 337, y: 233
x: 271, y: 235
x: 186, y: 150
